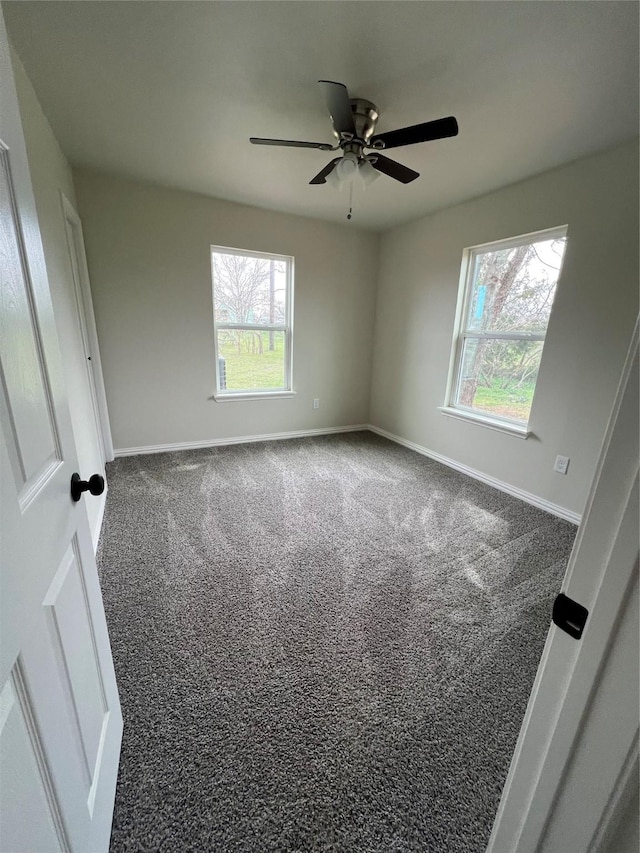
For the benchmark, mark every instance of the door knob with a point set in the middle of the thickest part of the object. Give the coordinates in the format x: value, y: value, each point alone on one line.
x: 95, y: 485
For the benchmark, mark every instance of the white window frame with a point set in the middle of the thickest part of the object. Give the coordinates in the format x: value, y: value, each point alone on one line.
x: 286, y: 327
x: 507, y: 425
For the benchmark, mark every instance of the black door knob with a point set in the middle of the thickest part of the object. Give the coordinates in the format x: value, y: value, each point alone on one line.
x: 95, y: 485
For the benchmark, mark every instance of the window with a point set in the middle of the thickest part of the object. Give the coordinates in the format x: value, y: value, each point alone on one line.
x: 505, y: 302
x: 252, y: 310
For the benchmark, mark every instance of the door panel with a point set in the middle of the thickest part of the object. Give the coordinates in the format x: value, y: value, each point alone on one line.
x: 60, y: 719
x: 26, y: 405
x: 71, y: 621
x: 30, y: 819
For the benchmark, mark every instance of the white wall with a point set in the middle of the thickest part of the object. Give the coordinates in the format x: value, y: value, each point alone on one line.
x: 587, y: 339
x: 50, y: 174
x: 148, y: 250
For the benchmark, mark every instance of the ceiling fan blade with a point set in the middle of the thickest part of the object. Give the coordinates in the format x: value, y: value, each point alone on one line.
x: 291, y: 143
x: 321, y: 177
x: 394, y: 170
x: 441, y: 128
x: 336, y: 97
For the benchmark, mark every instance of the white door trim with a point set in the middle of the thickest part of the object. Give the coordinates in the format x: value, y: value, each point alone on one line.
x: 600, y: 574
x: 625, y: 788
x: 87, y: 323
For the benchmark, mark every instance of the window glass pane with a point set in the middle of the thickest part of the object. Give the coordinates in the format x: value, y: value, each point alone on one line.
x: 249, y: 289
x: 251, y: 360
x: 499, y: 377
x: 512, y: 289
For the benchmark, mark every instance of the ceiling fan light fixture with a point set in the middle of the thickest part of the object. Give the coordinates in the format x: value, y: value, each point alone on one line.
x: 347, y: 168
x: 333, y: 178
x: 367, y: 173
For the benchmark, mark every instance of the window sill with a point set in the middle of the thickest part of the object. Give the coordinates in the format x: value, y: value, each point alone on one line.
x: 518, y: 430
x: 252, y: 395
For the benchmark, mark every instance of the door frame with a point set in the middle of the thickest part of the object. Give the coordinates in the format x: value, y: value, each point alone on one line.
x: 87, y: 324
x: 600, y: 572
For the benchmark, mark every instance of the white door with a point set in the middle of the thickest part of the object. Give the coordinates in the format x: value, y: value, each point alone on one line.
x: 578, y: 746
x: 60, y: 719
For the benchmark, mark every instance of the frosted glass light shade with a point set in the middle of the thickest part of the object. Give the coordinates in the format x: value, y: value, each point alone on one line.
x: 367, y: 173
x: 333, y: 178
x: 347, y: 167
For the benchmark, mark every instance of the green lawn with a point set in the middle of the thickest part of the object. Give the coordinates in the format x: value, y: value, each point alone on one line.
x: 509, y: 402
x: 250, y: 370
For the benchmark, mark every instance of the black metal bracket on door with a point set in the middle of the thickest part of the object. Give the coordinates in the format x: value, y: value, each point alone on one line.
x: 569, y: 615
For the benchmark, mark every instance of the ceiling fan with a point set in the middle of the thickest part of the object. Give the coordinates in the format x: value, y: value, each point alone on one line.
x: 354, y: 121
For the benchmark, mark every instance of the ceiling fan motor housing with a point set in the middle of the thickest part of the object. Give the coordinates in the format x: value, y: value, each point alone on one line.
x: 365, y: 118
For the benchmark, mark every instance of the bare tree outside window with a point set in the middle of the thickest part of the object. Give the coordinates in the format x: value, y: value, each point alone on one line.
x: 508, y: 297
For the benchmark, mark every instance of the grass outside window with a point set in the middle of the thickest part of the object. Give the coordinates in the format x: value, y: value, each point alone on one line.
x: 253, y: 361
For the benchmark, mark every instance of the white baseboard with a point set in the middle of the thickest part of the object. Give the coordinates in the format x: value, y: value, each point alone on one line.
x: 534, y: 500
x: 244, y: 439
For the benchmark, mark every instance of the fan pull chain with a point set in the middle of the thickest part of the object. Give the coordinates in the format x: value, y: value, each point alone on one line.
x: 350, y: 200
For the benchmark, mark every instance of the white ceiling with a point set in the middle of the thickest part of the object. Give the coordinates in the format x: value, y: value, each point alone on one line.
x: 171, y: 91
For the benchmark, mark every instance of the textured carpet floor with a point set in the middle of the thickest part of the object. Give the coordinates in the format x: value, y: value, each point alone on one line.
x: 321, y: 645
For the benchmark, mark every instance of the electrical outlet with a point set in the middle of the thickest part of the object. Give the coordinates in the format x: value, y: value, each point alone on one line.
x: 562, y: 463
x: 316, y: 403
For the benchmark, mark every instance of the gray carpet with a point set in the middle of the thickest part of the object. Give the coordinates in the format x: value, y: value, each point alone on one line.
x: 321, y: 645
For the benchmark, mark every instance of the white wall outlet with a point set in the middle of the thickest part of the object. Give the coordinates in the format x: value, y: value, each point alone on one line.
x: 562, y: 463
x: 316, y: 403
